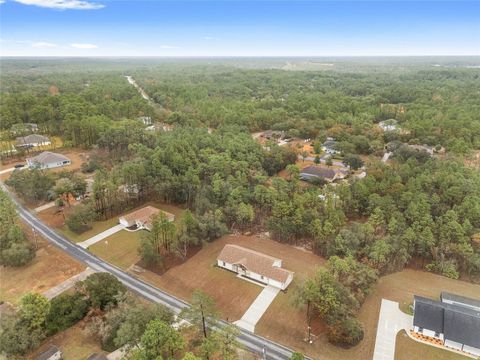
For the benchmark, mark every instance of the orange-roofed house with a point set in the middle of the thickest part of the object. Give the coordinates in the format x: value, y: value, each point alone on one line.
x: 142, y: 218
x: 254, y: 265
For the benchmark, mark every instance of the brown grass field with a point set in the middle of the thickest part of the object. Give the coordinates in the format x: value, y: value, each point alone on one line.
x: 50, y: 267
x: 407, y: 349
x: 233, y: 296
x: 75, y: 343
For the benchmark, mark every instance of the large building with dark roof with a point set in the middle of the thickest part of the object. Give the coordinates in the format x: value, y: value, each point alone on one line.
x: 454, y: 319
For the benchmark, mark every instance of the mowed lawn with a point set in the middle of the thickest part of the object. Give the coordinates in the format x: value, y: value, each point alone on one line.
x: 50, y: 267
x: 120, y: 249
x: 400, y: 287
x: 232, y: 295
x: 408, y: 349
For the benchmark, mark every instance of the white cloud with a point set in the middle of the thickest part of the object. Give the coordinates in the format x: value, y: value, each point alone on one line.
x: 168, y: 47
x: 62, y: 4
x: 2, y: 1
x: 84, y: 46
x: 42, y: 44
x: 209, y: 38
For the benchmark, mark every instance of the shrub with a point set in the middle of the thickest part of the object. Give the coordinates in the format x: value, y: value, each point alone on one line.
x: 346, y: 332
x: 65, y: 311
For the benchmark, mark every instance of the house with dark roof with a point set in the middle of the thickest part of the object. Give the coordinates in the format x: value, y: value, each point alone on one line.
x: 254, y: 265
x: 51, y: 353
x: 97, y: 356
x: 48, y: 160
x: 33, y: 140
x: 330, y: 146
x: 454, y: 319
x: 313, y: 172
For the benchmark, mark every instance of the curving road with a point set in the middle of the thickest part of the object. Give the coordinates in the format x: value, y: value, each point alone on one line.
x: 254, y: 343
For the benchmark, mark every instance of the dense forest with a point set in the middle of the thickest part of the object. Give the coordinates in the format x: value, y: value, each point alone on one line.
x: 415, y: 209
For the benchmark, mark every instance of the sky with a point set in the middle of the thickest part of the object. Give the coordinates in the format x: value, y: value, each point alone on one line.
x: 238, y: 28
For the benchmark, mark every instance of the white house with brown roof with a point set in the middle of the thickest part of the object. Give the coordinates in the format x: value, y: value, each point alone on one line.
x: 142, y: 218
x: 48, y: 160
x: 254, y: 265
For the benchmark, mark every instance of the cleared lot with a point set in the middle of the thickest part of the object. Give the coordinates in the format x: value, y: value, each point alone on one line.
x: 232, y: 295
x: 50, y: 267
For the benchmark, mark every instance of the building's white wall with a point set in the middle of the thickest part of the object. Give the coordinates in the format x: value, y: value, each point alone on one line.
x: 258, y: 277
x: 276, y: 283
x: 453, y: 344
x: 471, y: 350
x: 226, y: 266
x: 427, y: 332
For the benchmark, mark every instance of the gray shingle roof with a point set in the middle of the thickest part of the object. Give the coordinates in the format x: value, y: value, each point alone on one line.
x: 318, y: 171
x: 51, y: 350
x: 96, y: 356
x: 472, y: 303
x: 462, y: 326
x: 48, y: 157
x: 458, y: 323
x: 32, y: 139
x: 428, y: 314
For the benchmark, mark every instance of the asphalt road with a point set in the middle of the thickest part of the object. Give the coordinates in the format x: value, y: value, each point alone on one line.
x: 254, y: 343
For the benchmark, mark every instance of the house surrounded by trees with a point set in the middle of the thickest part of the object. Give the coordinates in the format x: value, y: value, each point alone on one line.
x: 48, y: 160
x: 142, y: 218
x: 254, y: 265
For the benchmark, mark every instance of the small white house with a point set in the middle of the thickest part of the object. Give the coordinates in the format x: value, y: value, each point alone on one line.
x: 48, y: 160
x: 254, y: 265
x: 33, y: 140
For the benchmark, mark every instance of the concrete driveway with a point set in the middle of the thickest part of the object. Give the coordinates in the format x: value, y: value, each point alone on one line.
x: 390, y: 322
x: 4, y: 171
x: 85, y: 244
x: 258, y: 308
x: 67, y: 284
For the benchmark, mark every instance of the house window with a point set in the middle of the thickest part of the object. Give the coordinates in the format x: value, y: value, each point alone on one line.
x: 223, y: 263
x: 420, y: 330
x: 437, y: 335
x: 261, y: 277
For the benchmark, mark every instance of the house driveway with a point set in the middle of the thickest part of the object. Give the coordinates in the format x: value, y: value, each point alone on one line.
x: 390, y: 322
x: 67, y: 284
x: 44, y: 207
x: 258, y: 308
x: 85, y: 244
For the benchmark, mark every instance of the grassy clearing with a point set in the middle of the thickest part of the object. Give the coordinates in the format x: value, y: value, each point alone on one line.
x: 97, y: 228
x: 119, y: 249
x: 407, y: 349
x: 50, y: 267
